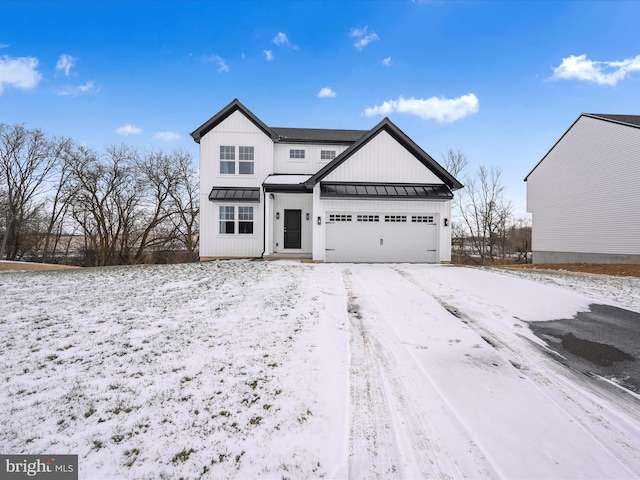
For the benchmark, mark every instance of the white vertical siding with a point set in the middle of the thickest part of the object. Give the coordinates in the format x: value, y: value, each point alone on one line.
x: 584, y: 194
x: 383, y: 159
x: 235, y: 130
x: 302, y: 166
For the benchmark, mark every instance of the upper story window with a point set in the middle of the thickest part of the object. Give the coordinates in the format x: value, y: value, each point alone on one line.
x: 245, y: 157
x: 293, y: 153
x: 228, y: 160
x: 327, y: 154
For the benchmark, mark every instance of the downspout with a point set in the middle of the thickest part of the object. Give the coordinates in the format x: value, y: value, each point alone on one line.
x: 264, y: 222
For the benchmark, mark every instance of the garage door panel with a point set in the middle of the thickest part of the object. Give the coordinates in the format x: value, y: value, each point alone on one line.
x: 381, y: 237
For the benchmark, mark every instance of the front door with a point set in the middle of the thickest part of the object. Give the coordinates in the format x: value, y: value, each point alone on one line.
x: 293, y: 229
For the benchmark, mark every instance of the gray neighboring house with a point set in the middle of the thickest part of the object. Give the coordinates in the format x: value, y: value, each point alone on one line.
x: 584, y: 195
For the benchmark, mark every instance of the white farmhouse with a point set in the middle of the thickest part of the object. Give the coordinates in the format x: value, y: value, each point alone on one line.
x: 583, y: 195
x: 324, y: 194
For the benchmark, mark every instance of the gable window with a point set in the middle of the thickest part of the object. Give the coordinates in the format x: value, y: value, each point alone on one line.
x: 227, y: 159
x: 245, y: 220
x: 327, y: 154
x: 245, y: 157
x: 293, y: 153
x: 227, y: 219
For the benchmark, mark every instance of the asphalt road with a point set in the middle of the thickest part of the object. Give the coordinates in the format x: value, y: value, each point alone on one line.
x: 604, y: 341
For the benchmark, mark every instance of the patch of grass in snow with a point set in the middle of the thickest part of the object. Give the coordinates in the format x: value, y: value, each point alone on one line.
x: 182, y: 456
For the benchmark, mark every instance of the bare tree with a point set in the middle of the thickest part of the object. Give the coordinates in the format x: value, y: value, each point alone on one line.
x: 186, y: 204
x: 26, y: 162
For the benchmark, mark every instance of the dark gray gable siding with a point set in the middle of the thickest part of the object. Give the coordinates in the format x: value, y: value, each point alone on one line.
x: 388, y: 126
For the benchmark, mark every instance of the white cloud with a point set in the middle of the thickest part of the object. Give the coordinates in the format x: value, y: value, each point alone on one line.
x: 326, y: 92
x: 386, y: 61
x: 364, y: 39
x: 65, y: 63
x: 579, y: 67
x: 166, y: 136
x: 268, y: 55
x: 222, y: 65
x: 128, y: 129
x: 358, y: 32
x: 3, y: 45
x: 281, y: 40
x: 74, y: 90
x: 19, y: 72
x: 443, y: 110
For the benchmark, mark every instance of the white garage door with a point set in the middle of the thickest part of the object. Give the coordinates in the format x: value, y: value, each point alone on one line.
x: 381, y: 237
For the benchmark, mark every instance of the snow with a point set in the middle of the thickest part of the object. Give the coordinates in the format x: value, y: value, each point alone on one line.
x: 286, y: 179
x: 252, y: 369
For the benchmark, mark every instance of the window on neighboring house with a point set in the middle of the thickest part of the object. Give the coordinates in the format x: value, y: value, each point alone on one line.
x: 227, y: 219
x: 245, y: 220
x: 245, y: 157
x: 327, y: 154
x: 293, y: 153
x: 227, y: 159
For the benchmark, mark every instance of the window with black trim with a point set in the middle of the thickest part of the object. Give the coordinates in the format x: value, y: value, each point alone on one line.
x: 395, y: 218
x: 245, y: 220
x: 227, y: 220
x: 422, y: 219
x: 245, y: 160
x: 227, y: 159
x: 293, y: 153
x: 327, y: 154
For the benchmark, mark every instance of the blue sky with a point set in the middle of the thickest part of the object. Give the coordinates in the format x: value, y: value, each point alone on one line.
x: 498, y: 80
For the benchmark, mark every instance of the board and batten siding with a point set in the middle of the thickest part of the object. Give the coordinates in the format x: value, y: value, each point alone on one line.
x: 440, y: 209
x: 236, y: 130
x: 310, y: 164
x: 383, y: 160
x: 583, y: 195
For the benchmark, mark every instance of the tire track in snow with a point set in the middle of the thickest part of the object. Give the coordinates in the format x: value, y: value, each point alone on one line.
x: 397, y: 431
x: 570, y: 391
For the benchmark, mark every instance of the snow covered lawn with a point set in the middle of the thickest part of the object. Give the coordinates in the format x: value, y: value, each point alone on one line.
x: 245, y: 369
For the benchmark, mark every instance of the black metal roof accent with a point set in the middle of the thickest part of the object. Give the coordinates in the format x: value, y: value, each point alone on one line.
x: 626, y: 120
x: 235, y: 194
x: 318, y: 135
x: 400, y: 191
x: 235, y: 105
x: 388, y: 126
x: 290, y: 188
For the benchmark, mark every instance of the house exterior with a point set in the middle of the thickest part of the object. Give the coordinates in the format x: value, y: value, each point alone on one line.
x: 324, y: 194
x: 583, y: 194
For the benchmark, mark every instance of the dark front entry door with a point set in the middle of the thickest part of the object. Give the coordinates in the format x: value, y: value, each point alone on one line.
x: 293, y: 229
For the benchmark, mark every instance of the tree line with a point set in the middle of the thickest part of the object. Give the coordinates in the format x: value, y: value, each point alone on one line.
x: 63, y: 202
x: 484, y: 229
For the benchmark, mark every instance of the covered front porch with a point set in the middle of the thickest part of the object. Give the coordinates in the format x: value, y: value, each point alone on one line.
x: 288, y: 217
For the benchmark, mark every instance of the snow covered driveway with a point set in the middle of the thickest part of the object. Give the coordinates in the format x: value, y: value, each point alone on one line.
x: 248, y: 369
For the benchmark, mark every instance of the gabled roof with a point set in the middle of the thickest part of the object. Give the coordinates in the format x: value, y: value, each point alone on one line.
x: 389, y: 127
x: 626, y: 120
x: 234, y: 106
x: 279, y: 134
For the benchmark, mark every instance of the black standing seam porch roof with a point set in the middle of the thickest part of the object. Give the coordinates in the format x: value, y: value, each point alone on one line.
x: 236, y: 194
x: 387, y: 190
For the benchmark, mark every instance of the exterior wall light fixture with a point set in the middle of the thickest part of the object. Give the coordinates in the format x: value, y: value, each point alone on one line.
x: 307, y: 215
x: 319, y: 220
x: 277, y: 215
x: 446, y: 222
